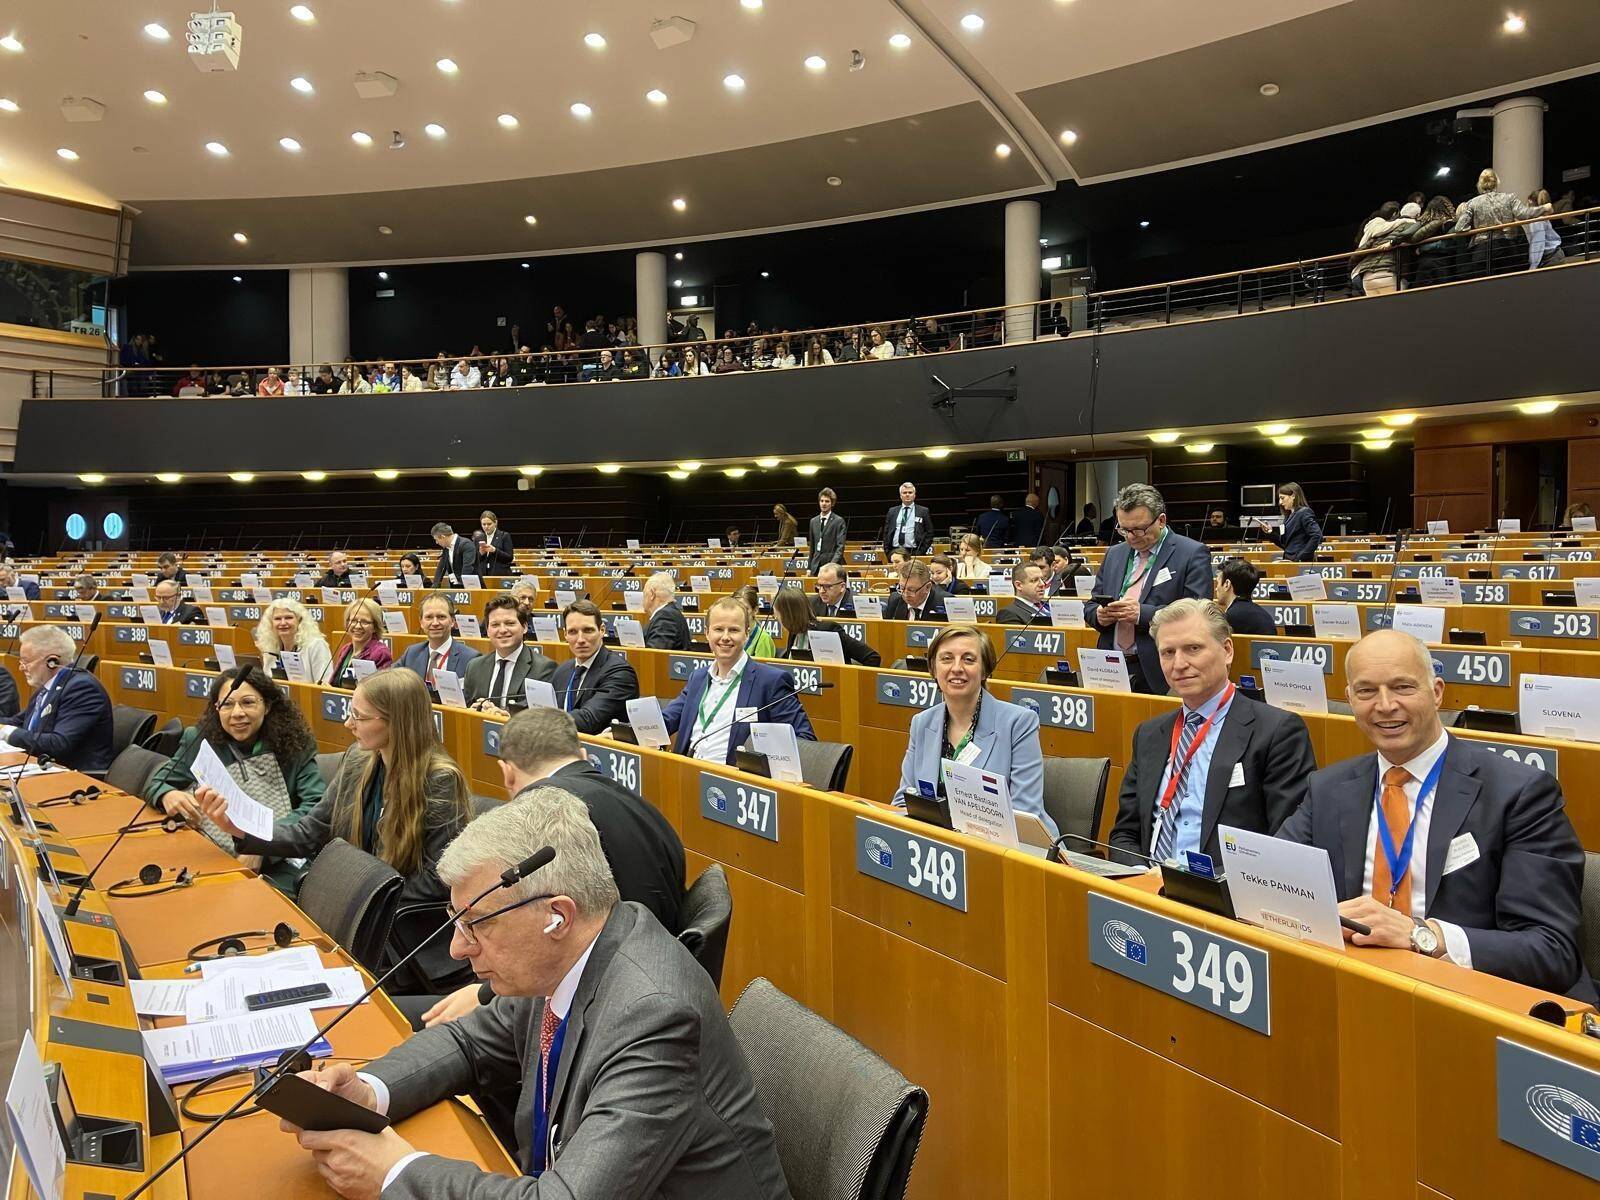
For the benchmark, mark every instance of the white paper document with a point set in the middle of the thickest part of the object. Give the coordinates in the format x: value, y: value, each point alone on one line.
x: 980, y: 803
x: 216, y: 616
x: 545, y: 629
x: 1583, y: 524
x: 55, y: 937
x: 248, y: 813
x: 360, y: 668
x: 1422, y: 621
x: 304, y: 959
x: 540, y: 693
x: 1307, y: 587
x: 194, y: 1051
x: 223, y: 996
x: 1559, y: 706
x: 1336, y: 621
x: 826, y: 647
x: 468, y: 625
x: 294, y: 666
x: 448, y: 685
x: 869, y: 606
x: 1281, y: 886
x: 1296, y: 686
x: 226, y: 659
x: 633, y: 601
x: 1587, y: 589
x: 394, y: 621
x: 1445, y: 589
x: 644, y: 715
x: 777, y: 741
x: 629, y: 631
x: 33, y: 1124
x: 961, y: 609
x: 160, y: 652
x: 160, y: 997
x: 1066, y: 613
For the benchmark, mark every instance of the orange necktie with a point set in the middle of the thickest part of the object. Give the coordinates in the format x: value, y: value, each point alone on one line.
x: 1397, y: 814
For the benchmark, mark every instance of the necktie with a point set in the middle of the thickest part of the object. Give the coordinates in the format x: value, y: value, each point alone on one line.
x: 1397, y: 815
x: 496, y: 692
x: 1167, y: 836
x: 905, y: 526
x: 1125, y: 629
x: 575, y: 686
x: 547, y: 1036
x: 438, y: 661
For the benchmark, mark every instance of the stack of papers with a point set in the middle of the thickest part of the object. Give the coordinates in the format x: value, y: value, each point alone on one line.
x: 188, y: 1052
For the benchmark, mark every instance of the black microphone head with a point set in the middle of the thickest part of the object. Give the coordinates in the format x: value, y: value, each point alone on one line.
x: 539, y: 858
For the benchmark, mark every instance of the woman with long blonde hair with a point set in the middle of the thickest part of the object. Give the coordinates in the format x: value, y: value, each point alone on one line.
x: 288, y: 625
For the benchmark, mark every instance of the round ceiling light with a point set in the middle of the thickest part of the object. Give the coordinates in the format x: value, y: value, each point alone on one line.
x: 656, y: 96
x: 900, y: 41
x: 507, y: 121
x: 360, y: 138
x: 972, y: 22
x: 581, y: 110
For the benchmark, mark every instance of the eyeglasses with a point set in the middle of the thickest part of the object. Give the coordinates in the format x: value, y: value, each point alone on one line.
x: 1127, y: 531
x: 465, y: 925
x: 243, y: 704
x: 355, y: 718
x: 837, y: 583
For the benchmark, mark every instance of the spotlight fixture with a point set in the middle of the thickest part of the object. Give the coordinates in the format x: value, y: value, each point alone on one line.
x: 434, y: 130
x: 1377, y: 434
x: 677, y: 474
x: 851, y: 460
x: 816, y: 63
x: 302, y: 85
x: 608, y: 468
x: 680, y: 203
x: 289, y: 144
x: 153, y: 30
x: 9, y: 42
x: 383, y: 276
x: 736, y: 472
x: 217, y: 148
x: 1289, y: 439
x: 1069, y: 137
x: 447, y: 65
x: 507, y: 121
x: 899, y: 41
x: 595, y: 41
x: 766, y: 464
x: 733, y: 83
x: 241, y: 238
x: 361, y: 139
x: 387, y: 473
x: 530, y: 472
x: 530, y: 219
x: 972, y: 22
x: 169, y: 477
x: 678, y: 257
x: 155, y: 97
x: 1538, y: 408
x: 1165, y: 437
x: 1442, y: 173
x: 67, y: 153
x: 1399, y: 420
x: 386, y: 230
x: 8, y: 105
x: 1270, y: 89
x: 656, y: 96
x: 398, y: 141
x: 313, y: 476
x: 1274, y: 429
x: 92, y: 477
x: 1002, y: 151
x: 1515, y: 23
x: 459, y: 472
x: 885, y: 465
x: 581, y: 110
x: 807, y: 469
x: 238, y: 278
x: 937, y: 452
x: 301, y: 13
x: 241, y: 476
x: 1200, y: 447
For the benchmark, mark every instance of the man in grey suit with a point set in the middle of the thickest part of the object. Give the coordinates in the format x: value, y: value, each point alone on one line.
x: 633, y: 1086
x: 827, y: 533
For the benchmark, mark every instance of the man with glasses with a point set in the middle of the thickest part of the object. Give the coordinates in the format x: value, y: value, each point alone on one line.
x: 919, y: 598
x: 69, y: 715
x: 632, y: 1083
x: 172, y: 607
x: 833, y: 598
x: 1150, y: 569
x: 907, y: 526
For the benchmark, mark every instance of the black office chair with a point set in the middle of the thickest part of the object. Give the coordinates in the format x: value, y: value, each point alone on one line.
x: 130, y: 727
x: 328, y: 766
x: 704, y: 919
x: 1589, y: 915
x: 825, y: 765
x: 352, y: 896
x: 132, y: 769
x: 847, y: 1123
x: 1075, y: 794
x: 164, y: 741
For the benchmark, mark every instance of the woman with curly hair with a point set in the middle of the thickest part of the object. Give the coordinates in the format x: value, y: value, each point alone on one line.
x: 264, y: 743
x: 288, y: 625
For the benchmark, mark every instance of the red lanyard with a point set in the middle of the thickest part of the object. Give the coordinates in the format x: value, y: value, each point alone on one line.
x: 1178, y: 768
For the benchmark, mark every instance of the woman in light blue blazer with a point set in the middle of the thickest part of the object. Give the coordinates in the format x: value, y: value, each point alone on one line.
x: 1005, y: 736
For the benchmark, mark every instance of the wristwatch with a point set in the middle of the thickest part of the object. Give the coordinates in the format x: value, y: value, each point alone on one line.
x: 1425, y: 941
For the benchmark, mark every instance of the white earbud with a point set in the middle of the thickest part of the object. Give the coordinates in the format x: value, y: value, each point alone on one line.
x: 556, y: 922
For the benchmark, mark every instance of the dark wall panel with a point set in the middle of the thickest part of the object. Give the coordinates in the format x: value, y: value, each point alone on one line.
x: 204, y: 317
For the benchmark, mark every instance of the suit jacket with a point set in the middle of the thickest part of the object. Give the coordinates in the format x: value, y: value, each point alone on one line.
x: 1027, y: 527
x: 184, y: 614
x: 1299, y: 537
x: 1269, y: 746
x: 10, y: 698
x: 992, y: 526
x: 529, y: 664
x: 644, y: 851
x: 921, y: 529
x: 609, y: 682
x: 494, y: 556
x: 856, y: 652
x: 667, y: 629
x: 330, y: 580
x: 1187, y: 564
x: 1246, y: 616
x: 30, y: 589
x: 1517, y: 902
x: 895, y: 607
x: 761, y: 686
x: 461, y: 559
x: 457, y: 660
x: 74, y: 722
x: 1020, y: 612
x: 1008, y: 737
x: 846, y: 605
x: 652, y: 1096
x: 826, y: 540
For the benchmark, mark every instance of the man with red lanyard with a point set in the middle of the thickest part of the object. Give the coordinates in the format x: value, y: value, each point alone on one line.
x: 441, y: 651
x: 1221, y: 758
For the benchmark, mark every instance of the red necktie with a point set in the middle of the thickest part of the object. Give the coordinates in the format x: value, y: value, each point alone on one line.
x: 438, y: 661
x: 547, y: 1036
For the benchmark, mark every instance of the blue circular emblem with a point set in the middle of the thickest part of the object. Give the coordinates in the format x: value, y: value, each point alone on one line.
x: 76, y: 526
x: 113, y: 525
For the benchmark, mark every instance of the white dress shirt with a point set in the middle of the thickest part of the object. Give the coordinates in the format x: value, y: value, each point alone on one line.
x: 505, y: 680
x: 710, y: 742
x: 560, y: 1002
x: 1457, y: 949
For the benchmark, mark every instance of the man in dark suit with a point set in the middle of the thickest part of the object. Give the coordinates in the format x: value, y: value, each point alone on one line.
x: 632, y: 1084
x: 832, y: 598
x: 456, y: 556
x: 494, y: 681
x: 1027, y: 523
x: 69, y: 714
x: 919, y: 598
x: 1496, y: 871
x: 1220, y: 759
x: 994, y: 527
x: 9, y: 579
x: 907, y: 525
x: 172, y: 607
x: 827, y: 534
x: 665, y: 626
x: 1150, y: 569
x: 168, y: 567
x: 595, y: 684
x: 1030, y: 606
x: 338, y: 573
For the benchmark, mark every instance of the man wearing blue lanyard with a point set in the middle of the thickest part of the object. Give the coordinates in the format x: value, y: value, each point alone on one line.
x: 1441, y: 846
x: 596, y: 683
x: 632, y: 1085
x: 69, y: 716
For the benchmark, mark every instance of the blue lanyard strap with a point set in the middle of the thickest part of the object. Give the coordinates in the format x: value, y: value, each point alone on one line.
x: 1400, y: 862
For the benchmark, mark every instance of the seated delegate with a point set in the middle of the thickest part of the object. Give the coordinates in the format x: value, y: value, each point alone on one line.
x: 441, y: 652
x: 799, y: 622
x: 710, y: 719
x: 363, y: 622
x: 264, y: 743
x: 494, y: 681
x: 288, y: 625
x: 632, y: 1085
x: 68, y: 717
x: 397, y: 795
x: 595, y: 684
x: 1495, y: 873
x: 1236, y: 589
x: 970, y: 726
x: 666, y: 628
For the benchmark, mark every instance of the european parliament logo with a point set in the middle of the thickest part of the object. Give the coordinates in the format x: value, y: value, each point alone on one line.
x: 1529, y: 623
x: 880, y: 852
x: 1438, y: 668
x: 717, y: 798
x: 891, y: 689
x: 1566, y: 1114
x: 1027, y: 702
x: 1269, y: 652
x: 1126, y: 941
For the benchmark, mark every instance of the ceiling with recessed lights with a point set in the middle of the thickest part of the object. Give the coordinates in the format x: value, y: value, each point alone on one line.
x: 574, y: 114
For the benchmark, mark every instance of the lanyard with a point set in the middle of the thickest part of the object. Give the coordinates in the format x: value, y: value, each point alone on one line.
x: 1178, y: 769
x: 1400, y: 862
x: 750, y: 639
x: 733, y: 686
x: 1133, y: 565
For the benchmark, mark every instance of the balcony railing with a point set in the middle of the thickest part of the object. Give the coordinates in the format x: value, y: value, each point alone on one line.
x: 1446, y: 259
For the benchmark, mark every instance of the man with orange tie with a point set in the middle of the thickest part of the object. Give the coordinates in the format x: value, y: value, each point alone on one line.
x: 1441, y: 846
x: 1150, y: 569
x: 442, y: 651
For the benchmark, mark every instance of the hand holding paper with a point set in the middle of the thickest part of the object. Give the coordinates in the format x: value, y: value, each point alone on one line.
x: 244, y: 812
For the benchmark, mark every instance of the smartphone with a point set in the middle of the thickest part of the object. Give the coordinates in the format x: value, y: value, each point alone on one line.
x: 1104, y: 599
x: 303, y: 1103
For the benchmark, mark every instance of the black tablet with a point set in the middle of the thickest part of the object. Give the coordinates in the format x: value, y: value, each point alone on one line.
x: 303, y: 1103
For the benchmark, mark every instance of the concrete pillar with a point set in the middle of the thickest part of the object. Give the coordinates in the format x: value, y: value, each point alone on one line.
x: 319, y: 315
x: 1519, y: 145
x: 650, y: 297
x: 1022, y: 270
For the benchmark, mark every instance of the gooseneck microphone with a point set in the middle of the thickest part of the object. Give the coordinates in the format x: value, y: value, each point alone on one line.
x: 300, y: 1058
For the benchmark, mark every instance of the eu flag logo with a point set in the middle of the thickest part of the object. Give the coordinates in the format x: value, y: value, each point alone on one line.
x: 1585, y: 1134
x: 1136, y: 952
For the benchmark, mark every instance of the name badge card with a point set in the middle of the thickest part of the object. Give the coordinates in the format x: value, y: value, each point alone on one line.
x: 1307, y: 587
x: 1583, y: 525
x: 767, y: 585
x: 826, y: 647
x: 1296, y: 686
x: 980, y: 803
x: 1083, y: 585
x: 303, y: 580
x: 473, y: 582
x: 149, y: 614
x: 55, y: 937
x: 1282, y: 886
x: 777, y: 741
x: 1560, y: 706
x: 202, y: 594
x: 632, y: 543
x: 961, y: 609
x: 869, y: 606
x: 1104, y: 669
x: 565, y: 597
x: 140, y: 580
x: 1423, y: 622
x: 1001, y: 585
x: 360, y: 668
x: 714, y: 543
x: 294, y: 666
x: 389, y: 594
x: 468, y: 625
x: 31, y: 1116
x: 448, y: 684
x: 1439, y: 590
x: 699, y: 583
x: 225, y: 657
x: 1587, y: 589
x: 249, y: 580
x: 545, y: 629
x: 633, y: 601
x: 85, y: 612
x: 540, y: 693
x: 1336, y: 621
x: 630, y: 632
x: 261, y: 595
x: 16, y: 593
x: 1066, y: 613
x: 1509, y: 524
x: 800, y: 543
x: 160, y: 652
x: 415, y: 582
x: 332, y: 595
x: 644, y: 714
x: 394, y: 621
x: 1438, y: 526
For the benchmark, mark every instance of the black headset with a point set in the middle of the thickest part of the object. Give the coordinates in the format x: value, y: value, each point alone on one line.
x: 290, y: 1062
x: 78, y: 796
x: 149, y: 882
x: 283, y: 936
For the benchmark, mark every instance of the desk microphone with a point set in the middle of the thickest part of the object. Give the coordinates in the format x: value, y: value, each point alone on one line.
x: 299, y: 1059
x: 1078, y: 837
x: 776, y: 700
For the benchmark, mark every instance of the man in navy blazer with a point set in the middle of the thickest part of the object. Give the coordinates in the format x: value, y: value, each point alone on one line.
x: 596, y: 683
x: 9, y: 579
x: 441, y: 651
x: 907, y: 524
x: 1150, y: 569
x: 711, y: 717
x: 457, y: 556
x: 69, y: 715
x: 1496, y: 872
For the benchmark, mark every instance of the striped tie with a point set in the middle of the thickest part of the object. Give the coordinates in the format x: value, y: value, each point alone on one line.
x: 1167, y: 835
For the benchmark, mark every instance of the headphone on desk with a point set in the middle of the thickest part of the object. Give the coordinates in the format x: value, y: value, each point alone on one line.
x: 78, y: 796
x: 149, y: 883
x: 283, y: 936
